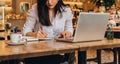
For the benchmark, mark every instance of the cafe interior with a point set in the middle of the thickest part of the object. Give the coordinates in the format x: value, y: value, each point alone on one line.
x: 13, y: 14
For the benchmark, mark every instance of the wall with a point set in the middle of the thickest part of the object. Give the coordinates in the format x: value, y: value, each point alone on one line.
x: 16, y: 4
x: 118, y: 3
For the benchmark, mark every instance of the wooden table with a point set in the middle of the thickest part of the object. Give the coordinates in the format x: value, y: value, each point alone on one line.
x: 96, y: 45
x: 83, y: 46
x: 33, y: 49
x: 43, y: 48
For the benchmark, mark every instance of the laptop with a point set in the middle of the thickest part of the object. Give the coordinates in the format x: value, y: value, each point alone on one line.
x: 90, y: 27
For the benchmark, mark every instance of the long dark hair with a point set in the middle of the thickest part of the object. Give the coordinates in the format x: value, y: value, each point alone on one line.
x: 43, y: 13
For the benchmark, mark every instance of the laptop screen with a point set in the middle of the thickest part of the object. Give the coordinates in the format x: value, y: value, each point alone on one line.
x: 91, y: 26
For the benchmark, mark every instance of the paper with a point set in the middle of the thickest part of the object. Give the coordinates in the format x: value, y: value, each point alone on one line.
x: 36, y: 39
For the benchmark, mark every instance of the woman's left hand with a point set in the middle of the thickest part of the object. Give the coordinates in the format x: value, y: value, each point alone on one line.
x: 65, y: 34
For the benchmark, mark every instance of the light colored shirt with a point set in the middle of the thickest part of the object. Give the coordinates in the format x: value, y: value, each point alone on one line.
x: 59, y: 24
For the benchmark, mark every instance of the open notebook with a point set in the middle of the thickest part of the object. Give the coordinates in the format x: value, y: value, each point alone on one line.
x: 35, y: 39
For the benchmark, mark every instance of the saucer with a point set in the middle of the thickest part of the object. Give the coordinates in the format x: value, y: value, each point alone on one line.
x: 19, y: 43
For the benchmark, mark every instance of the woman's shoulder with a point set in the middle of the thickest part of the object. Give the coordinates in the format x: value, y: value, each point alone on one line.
x: 33, y: 11
x: 66, y: 12
x: 34, y: 6
x: 66, y: 8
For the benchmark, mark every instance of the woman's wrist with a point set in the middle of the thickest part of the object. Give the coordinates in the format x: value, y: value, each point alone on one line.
x: 32, y: 34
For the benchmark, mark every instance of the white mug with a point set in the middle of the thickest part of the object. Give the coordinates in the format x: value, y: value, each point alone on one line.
x: 15, y: 38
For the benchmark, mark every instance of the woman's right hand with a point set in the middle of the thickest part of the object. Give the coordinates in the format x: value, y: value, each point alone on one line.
x: 64, y: 34
x: 41, y: 34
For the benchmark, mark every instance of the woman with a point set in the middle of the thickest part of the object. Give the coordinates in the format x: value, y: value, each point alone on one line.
x: 48, y: 18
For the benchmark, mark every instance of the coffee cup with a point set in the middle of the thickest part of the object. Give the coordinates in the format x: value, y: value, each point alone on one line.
x: 15, y: 38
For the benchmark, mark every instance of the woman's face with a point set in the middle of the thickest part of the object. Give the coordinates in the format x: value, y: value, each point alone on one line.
x: 51, y: 3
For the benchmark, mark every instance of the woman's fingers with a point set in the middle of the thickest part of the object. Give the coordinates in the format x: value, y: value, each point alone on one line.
x: 44, y: 33
x: 41, y: 34
x: 66, y: 34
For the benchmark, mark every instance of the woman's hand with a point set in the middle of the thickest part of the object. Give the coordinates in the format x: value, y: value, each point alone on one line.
x: 65, y: 34
x: 41, y: 34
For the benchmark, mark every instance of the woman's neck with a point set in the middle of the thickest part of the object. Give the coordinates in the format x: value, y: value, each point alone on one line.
x: 51, y: 14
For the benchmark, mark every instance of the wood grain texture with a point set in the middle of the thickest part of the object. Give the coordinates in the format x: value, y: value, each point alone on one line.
x: 33, y: 49
x: 43, y: 48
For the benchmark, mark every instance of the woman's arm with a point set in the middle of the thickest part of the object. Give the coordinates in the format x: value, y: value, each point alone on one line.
x: 68, y: 23
x: 30, y: 22
x: 68, y: 28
